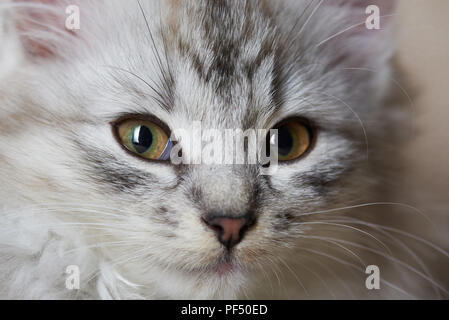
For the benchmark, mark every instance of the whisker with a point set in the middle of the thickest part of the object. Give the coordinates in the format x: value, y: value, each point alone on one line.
x: 355, y: 115
x: 330, y: 240
x: 294, y: 275
x: 370, y: 205
x: 388, y: 283
x: 350, y: 227
x: 392, y: 258
x: 406, y: 234
x: 308, y: 20
x: 399, y: 242
x: 328, y: 269
x: 400, y: 86
x: 349, y: 28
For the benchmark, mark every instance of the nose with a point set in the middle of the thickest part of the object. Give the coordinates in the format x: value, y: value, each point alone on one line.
x: 229, y: 230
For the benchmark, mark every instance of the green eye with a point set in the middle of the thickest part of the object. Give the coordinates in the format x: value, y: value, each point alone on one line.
x: 145, y: 138
x: 294, y: 140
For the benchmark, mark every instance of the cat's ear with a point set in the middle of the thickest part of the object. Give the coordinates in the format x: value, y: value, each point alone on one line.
x: 364, y: 33
x: 45, y: 27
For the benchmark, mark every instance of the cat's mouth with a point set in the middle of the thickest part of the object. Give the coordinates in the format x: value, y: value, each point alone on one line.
x: 226, y: 265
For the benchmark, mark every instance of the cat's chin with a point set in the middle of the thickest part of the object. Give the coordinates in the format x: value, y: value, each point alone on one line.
x: 218, y: 281
x: 225, y: 268
x: 222, y: 269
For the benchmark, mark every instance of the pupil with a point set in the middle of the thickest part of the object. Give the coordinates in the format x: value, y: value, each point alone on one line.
x: 285, y: 141
x: 142, y: 139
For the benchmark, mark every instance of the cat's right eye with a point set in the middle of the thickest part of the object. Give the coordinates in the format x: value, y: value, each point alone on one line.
x: 145, y: 139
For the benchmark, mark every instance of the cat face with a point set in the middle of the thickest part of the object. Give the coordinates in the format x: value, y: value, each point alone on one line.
x: 182, y: 230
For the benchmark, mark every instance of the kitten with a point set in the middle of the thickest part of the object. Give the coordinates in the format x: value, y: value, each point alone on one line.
x: 74, y: 194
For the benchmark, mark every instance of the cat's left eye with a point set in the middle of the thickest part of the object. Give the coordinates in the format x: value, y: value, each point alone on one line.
x: 144, y: 138
x: 294, y: 139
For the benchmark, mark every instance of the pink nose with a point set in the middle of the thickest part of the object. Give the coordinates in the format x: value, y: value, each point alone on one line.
x: 229, y: 231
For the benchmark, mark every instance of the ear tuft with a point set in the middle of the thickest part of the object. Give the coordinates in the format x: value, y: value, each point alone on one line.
x: 41, y: 26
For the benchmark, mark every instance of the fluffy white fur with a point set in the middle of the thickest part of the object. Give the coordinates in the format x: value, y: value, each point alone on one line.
x: 59, y: 206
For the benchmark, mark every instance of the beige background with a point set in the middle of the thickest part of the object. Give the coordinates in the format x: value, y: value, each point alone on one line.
x: 424, y: 55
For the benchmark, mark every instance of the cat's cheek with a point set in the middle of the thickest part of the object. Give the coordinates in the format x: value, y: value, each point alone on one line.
x: 34, y: 146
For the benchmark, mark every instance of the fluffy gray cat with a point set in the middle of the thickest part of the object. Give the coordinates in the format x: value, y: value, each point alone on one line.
x: 88, y: 115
